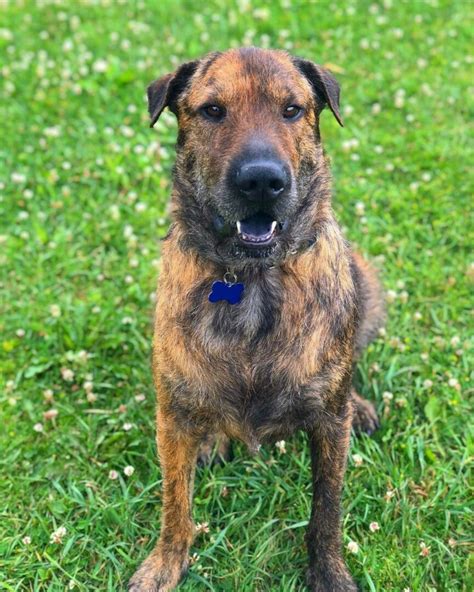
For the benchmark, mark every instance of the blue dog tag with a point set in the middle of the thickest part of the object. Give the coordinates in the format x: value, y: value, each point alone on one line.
x: 231, y: 293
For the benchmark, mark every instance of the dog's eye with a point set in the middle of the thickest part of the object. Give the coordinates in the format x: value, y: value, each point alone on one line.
x: 292, y: 112
x: 213, y: 112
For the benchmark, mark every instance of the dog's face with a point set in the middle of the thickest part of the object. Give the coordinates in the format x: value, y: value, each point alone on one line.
x: 249, y: 157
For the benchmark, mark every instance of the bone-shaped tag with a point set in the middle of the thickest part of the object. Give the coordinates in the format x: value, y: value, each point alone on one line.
x: 231, y: 293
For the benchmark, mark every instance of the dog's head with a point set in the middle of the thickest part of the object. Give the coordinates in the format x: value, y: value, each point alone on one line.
x: 250, y: 169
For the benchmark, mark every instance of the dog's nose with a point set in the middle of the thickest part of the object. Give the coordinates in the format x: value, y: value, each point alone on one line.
x: 261, y: 179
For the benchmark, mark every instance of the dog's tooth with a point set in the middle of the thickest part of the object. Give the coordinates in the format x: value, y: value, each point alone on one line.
x: 239, y: 227
x: 273, y: 226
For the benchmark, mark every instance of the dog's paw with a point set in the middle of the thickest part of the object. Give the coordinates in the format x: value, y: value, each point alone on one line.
x: 157, y: 574
x: 330, y: 580
x: 215, y: 450
x: 365, y: 419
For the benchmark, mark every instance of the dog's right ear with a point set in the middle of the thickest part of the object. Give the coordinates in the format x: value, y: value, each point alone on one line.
x: 165, y: 91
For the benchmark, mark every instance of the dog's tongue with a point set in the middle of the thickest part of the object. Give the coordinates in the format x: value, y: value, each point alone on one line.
x: 257, y: 228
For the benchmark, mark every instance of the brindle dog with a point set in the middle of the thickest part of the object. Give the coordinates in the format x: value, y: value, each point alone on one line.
x: 251, y: 204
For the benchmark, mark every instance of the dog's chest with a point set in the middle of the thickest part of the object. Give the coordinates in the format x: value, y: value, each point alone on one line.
x: 257, y: 369
x: 256, y: 361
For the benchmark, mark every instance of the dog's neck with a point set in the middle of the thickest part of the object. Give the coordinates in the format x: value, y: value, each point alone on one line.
x: 315, y: 239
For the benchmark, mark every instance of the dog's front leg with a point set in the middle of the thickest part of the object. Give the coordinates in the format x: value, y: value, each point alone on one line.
x: 168, y: 562
x: 329, y: 444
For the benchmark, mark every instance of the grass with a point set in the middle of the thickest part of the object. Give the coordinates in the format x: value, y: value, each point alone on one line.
x: 83, y: 192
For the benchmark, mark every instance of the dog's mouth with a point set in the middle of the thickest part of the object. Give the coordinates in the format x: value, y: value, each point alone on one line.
x: 258, y: 230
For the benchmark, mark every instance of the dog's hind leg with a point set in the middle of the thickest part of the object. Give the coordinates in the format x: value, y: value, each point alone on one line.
x: 364, y: 415
x: 215, y: 449
x: 373, y: 304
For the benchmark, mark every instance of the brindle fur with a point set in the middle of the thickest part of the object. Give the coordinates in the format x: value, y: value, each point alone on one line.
x: 282, y: 359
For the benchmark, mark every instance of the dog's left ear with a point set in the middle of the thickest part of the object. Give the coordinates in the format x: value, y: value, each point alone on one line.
x: 325, y: 86
x: 165, y: 91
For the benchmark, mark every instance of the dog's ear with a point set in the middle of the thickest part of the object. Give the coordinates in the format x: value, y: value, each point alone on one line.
x: 325, y: 86
x: 165, y: 91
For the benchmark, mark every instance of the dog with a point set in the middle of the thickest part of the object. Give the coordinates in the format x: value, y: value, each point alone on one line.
x: 262, y: 308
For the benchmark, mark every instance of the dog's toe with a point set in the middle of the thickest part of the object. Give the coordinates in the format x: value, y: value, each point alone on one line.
x: 214, y: 450
x: 365, y: 419
x: 156, y: 575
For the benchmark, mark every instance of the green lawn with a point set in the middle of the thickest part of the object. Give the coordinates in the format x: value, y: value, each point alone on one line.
x: 84, y: 185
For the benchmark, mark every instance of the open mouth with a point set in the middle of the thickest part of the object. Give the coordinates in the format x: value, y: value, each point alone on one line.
x: 258, y: 230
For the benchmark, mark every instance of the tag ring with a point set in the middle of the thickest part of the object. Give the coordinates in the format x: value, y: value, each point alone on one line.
x: 229, y: 278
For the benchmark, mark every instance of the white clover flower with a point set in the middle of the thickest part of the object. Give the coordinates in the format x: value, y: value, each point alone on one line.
x: 129, y: 470
x: 202, y: 527
x: 353, y: 547
x: 403, y: 296
x: 18, y: 178
x: 127, y: 131
x: 6, y: 34
x: 50, y: 414
x: 100, y: 66
x: 128, y: 231
x: 52, y: 132
x: 67, y: 374
x: 399, y: 101
x: 113, y: 475
x: 281, y: 445
x: 55, y: 311
x: 357, y: 459
x: 374, y: 527
x: 58, y: 535
x: 262, y: 14
x: 424, y: 550
x: 391, y: 295
x: 48, y: 395
x: 82, y: 356
x: 38, y: 427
